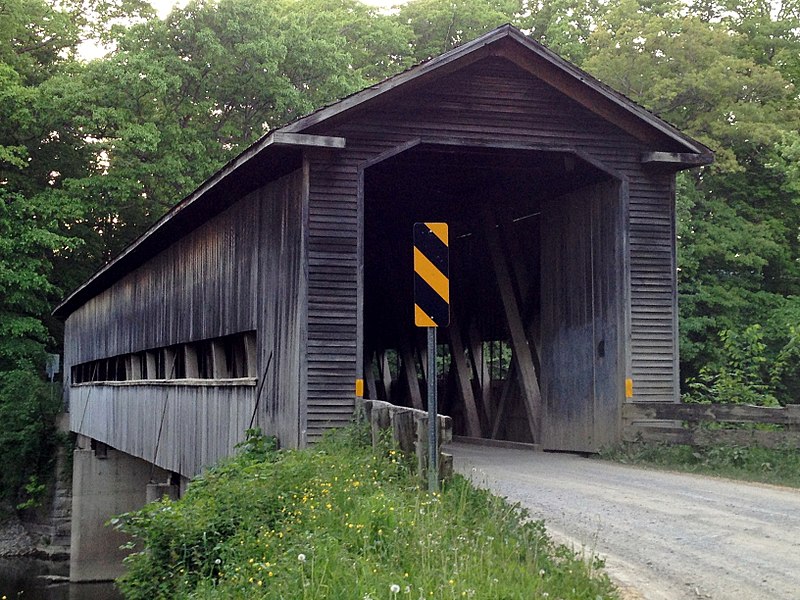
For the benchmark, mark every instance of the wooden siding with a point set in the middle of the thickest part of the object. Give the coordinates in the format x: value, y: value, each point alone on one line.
x: 179, y: 428
x: 240, y: 271
x: 491, y: 101
x: 332, y: 293
x: 654, y: 297
x: 582, y: 322
x: 281, y: 307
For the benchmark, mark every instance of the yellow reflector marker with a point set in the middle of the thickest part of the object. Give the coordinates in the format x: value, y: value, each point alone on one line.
x: 629, y: 388
x: 440, y: 231
x: 360, y: 388
x: 421, y: 319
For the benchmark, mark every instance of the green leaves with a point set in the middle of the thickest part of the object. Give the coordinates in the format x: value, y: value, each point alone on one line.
x: 721, y: 74
x: 28, y: 439
x: 439, y: 25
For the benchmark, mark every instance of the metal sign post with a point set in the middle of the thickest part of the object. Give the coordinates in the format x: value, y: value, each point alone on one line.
x: 432, y: 310
x: 433, y: 409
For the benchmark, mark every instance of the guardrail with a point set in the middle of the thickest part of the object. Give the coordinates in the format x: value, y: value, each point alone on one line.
x: 683, y: 424
x: 409, y: 431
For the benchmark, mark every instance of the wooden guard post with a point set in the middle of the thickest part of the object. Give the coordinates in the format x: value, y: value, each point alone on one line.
x: 409, y: 431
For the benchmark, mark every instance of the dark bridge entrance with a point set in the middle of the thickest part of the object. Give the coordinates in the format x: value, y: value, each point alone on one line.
x: 533, y: 351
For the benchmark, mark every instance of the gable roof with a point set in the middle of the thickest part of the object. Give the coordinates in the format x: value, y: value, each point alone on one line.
x: 509, y: 42
x: 278, y: 152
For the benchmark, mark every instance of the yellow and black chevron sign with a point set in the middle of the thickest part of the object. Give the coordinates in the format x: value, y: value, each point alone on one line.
x: 431, y: 275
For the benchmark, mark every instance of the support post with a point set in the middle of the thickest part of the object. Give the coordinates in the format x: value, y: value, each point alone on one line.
x: 410, y: 371
x: 433, y: 433
x: 483, y: 383
x: 369, y: 378
x: 385, y: 374
x: 104, y: 484
x: 522, y: 356
x: 463, y: 383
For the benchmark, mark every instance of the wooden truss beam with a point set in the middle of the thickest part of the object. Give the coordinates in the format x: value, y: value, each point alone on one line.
x: 521, y: 352
x: 461, y: 373
x: 410, y: 373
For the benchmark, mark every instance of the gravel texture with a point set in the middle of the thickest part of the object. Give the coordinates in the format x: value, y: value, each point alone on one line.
x: 663, y: 535
x: 14, y: 539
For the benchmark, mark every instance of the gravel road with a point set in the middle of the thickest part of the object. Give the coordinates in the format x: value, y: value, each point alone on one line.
x: 664, y: 535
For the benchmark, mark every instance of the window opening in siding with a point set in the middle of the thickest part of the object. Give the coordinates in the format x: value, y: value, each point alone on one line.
x: 223, y: 358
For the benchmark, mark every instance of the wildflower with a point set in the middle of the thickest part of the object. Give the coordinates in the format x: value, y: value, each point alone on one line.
x: 394, y: 588
x: 216, y: 562
x: 301, y: 557
x: 542, y: 572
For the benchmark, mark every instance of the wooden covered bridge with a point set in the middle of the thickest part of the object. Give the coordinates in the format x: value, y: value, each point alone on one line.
x: 283, y: 283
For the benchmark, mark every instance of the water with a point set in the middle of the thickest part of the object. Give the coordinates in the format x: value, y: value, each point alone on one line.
x: 33, y: 579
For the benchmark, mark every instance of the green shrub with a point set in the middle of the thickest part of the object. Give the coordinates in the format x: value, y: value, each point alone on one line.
x: 343, y: 521
x: 747, y: 374
x: 28, y: 438
x: 779, y: 466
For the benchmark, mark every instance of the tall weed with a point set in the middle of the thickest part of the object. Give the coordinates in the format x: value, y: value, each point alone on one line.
x: 341, y: 520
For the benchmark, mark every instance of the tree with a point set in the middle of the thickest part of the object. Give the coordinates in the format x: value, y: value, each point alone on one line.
x: 178, y: 98
x: 40, y: 148
x: 717, y: 73
x: 439, y: 25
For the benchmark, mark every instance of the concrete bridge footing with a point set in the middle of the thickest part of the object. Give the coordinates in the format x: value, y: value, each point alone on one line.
x: 106, y: 483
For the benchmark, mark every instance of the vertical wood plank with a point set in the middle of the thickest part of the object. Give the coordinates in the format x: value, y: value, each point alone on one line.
x: 461, y: 373
x: 190, y: 361
x: 250, y: 355
x: 150, y: 365
x: 508, y: 388
x: 409, y: 367
x: 219, y: 365
x: 385, y: 375
x: 369, y: 377
x: 136, y: 366
x: 483, y: 383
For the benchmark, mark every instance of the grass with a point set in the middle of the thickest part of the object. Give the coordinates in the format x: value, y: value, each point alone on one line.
x: 779, y: 466
x: 342, y: 520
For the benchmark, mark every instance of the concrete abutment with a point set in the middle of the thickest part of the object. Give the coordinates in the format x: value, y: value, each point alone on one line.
x: 106, y: 483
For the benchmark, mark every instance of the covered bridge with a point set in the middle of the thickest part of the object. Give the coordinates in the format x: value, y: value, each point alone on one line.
x: 283, y: 284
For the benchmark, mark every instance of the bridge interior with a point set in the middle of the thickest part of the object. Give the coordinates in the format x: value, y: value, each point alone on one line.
x: 490, y: 370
